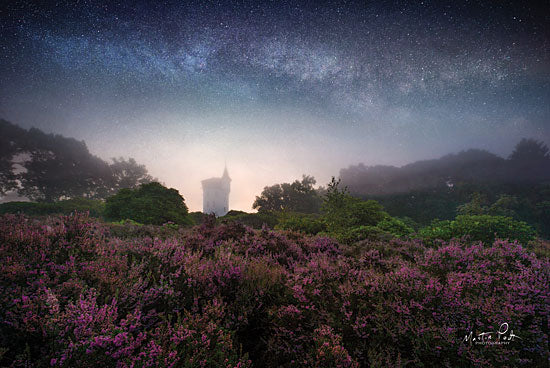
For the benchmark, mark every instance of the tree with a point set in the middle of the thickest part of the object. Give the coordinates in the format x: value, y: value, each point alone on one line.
x: 48, y: 167
x: 299, y: 196
x: 61, y: 168
x: 341, y: 211
x: 530, y: 162
x: 530, y: 150
x: 477, y: 206
x: 506, y: 205
x: 129, y: 174
x: 150, y: 203
x: 10, y: 142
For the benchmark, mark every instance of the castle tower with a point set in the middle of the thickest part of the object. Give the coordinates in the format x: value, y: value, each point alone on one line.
x: 215, y: 194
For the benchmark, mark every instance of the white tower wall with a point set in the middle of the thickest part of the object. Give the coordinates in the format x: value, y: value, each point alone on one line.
x: 215, y: 197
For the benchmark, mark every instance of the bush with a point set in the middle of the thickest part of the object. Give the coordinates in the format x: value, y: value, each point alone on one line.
x: 148, y: 204
x: 483, y: 228
x: 198, y: 217
x: 438, y: 229
x: 307, y: 224
x: 342, y: 212
x: 254, y: 220
x: 74, y: 295
x: 395, y: 226
x: 65, y: 207
x: 486, y: 228
x: 360, y: 233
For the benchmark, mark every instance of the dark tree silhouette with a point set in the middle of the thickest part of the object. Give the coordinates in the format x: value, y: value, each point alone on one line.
x: 530, y: 161
x: 530, y: 150
x: 129, y: 174
x: 10, y: 137
x: 61, y: 168
x: 299, y: 196
x: 47, y: 167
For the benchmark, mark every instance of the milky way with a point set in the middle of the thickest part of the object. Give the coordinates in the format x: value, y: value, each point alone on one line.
x: 285, y: 82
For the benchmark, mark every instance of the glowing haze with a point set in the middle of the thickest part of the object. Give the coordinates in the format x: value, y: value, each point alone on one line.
x: 276, y: 89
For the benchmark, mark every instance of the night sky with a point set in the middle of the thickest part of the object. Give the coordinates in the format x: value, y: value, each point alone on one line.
x: 277, y: 89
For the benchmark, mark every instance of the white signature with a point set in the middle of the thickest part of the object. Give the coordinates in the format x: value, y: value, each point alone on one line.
x: 500, y: 337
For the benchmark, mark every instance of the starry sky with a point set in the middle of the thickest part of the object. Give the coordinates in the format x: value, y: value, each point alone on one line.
x: 277, y: 88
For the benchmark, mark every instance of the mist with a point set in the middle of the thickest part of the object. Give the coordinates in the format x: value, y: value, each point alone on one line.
x: 276, y: 93
x: 272, y: 184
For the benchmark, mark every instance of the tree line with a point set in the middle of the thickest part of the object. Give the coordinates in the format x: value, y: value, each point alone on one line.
x: 528, y: 163
x: 471, y: 183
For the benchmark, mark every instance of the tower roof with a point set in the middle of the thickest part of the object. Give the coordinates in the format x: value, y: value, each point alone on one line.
x: 216, y: 182
x: 225, y: 173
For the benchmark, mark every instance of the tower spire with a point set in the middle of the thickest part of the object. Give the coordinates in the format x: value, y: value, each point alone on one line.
x: 225, y: 172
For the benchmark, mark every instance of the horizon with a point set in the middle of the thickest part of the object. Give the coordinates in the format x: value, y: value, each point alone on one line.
x: 249, y: 196
x: 276, y: 90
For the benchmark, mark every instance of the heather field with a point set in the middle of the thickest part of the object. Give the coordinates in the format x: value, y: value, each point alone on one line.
x: 76, y: 292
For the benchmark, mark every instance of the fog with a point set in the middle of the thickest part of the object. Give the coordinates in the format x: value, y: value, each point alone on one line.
x: 276, y: 93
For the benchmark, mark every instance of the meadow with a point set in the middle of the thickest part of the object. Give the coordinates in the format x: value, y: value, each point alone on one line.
x: 79, y: 292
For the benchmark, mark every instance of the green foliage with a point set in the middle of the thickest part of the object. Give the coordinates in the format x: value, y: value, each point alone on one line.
x: 305, y: 223
x: 475, y: 182
x: 94, y: 207
x: 398, y: 228
x: 506, y: 205
x: 126, y: 222
x: 148, y: 204
x: 485, y: 228
x: 525, y: 202
x: 423, y: 206
x: 341, y: 211
x: 409, y: 222
x: 299, y: 196
x: 197, y: 217
x: 477, y: 206
x: 350, y: 219
x: 541, y: 248
x: 254, y: 220
x: 438, y: 229
x: 359, y: 233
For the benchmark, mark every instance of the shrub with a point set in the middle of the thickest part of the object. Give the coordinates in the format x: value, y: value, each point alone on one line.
x: 307, y: 224
x: 483, y: 228
x: 148, y: 204
x: 73, y: 294
x: 65, y: 207
x: 395, y: 226
x: 254, y: 220
x: 359, y: 233
x: 341, y: 211
x: 438, y: 229
x: 197, y: 217
x: 486, y: 228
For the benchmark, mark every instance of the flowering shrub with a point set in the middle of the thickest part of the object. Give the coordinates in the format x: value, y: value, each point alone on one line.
x: 75, y: 292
